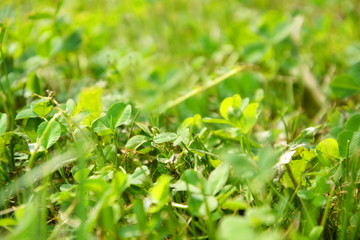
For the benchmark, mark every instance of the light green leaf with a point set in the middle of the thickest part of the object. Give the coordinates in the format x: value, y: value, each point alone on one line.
x: 70, y: 106
x: 316, y: 232
x: 239, y: 113
x: 136, y: 141
x: 4, y: 222
x: 118, y: 114
x: 249, y: 117
x: 49, y: 133
x: 183, y: 137
x: 42, y: 107
x: 229, y: 103
x: 305, y: 194
x: 215, y: 120
x: 81, y: 175
x: 235, y: 204
x: 165, y: 137
x: 217, y: 179
x: 160, y: 191
x: 329, y: 146
x: 297, y: 168
x: 26, y: 113
x: 231, y: 227
x: 139, y: 175
x: 90, y: 100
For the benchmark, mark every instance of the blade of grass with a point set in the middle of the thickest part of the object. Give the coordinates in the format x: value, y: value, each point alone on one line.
x: 195, y: 91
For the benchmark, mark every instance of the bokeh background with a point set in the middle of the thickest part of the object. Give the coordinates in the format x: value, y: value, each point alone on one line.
x: 149, y: 52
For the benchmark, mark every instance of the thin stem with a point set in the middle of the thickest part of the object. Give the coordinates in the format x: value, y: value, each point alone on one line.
x: 115, y: 144
x: 203, y: 88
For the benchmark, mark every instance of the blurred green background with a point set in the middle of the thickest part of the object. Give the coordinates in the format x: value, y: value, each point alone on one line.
x: 149, y: 52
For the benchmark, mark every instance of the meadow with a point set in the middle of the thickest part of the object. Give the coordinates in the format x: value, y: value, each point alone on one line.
x: 160, y: 119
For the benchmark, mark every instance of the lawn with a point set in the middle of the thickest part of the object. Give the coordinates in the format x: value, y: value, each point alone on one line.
x: 163, y: 119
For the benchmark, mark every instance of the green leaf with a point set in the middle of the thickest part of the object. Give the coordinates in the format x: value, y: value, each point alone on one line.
x: 136, y: 141
x: 118, y: 114
x: 4, y: 222
x: 353, y: 124
x: 145, y: 128
x: 139, y: 175
x: 72, y: 42
x: 100, y: 124
x: 231, y: 227
x: 244, y: 167
x: 327, y: 149
x: 262, y: 215
x: 165, y: 137
x: 306, y: 135
x: 90, y: 100
x: 215, y: 120
x: 316, y: 232
x: 235, y: 204
x: 249, y: 117
x: 344, y: 138
x: 344, y: 86
x: 26, y: 113
x: 49, y: 132
x: 229, y: 104
x: 305, y: 194
x: 3, y: 123
x: 320, y: 201
x: 70, y: 106
x: 81, y: 175
x: 239, y: 113
x: 42, y: 107
x: 33, y: 84
x: 189, y: 181
x: 297, y: 168
x: 355, y: 143
x: 159, y: 193
x: 183, y: 137
x: 217, y: 179
x: 31, y: 126
x: 197, y: 205
x: 266, y: 161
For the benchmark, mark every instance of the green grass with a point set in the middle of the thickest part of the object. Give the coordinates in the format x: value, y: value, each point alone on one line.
x: 179, y: 119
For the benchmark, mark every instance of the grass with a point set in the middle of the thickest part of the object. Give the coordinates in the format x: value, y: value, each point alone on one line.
x: 179, y: 119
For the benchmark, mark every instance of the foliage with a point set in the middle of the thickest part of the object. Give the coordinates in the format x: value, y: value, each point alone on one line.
x: 179, y: 119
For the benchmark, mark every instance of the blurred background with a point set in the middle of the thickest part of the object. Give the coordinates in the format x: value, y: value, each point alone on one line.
x: 149, y: 52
